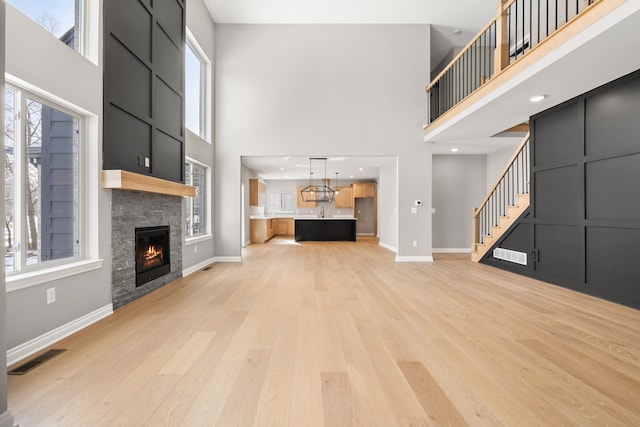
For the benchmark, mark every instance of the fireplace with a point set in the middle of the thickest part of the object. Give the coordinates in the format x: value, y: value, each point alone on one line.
x: 152, y: 253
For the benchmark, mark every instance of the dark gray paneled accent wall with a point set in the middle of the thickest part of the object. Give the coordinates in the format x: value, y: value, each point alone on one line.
x: 583, y: 225
x: 144, y: 87
x: 131, y: 210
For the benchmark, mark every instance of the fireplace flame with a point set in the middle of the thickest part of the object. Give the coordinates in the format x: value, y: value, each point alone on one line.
x: 152, y: 256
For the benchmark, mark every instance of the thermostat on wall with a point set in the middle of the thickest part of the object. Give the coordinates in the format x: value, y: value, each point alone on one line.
x: 418, y: 203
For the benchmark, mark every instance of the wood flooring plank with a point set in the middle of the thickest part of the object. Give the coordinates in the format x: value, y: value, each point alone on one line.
x: 240, y: 407
x: 439, y: 409
x: 338, y: 404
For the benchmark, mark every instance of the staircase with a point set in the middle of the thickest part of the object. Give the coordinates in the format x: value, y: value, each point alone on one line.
x: 505, y: 203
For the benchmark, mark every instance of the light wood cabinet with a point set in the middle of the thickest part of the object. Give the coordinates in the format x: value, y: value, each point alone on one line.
x: 344, y: 197
x: 284, y: 226
x: 261, y: 230
x: 364, y: 190
x: 301, y: 203
x: 257, y: 193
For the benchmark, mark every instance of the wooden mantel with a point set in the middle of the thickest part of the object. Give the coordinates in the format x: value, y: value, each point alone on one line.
x: 125, y: 180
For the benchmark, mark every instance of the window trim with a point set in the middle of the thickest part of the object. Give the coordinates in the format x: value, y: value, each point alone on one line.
x: 205, y: 87
x: 24, y: 276
x: 189, y: 240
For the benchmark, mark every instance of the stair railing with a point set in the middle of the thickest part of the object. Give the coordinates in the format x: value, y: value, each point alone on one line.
x: 513, y: 181
x: 519, y: 27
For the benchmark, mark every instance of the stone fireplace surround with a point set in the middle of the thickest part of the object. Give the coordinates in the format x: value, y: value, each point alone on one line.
x: 135, y: 209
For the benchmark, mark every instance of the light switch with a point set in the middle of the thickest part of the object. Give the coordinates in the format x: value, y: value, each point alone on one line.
x: 414, y: 210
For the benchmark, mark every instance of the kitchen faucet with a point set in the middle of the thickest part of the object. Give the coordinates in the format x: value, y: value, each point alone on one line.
x: 321, y: 211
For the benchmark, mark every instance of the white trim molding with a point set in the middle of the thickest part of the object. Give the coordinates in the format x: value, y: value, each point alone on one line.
x: 22, y: 351
x: 227, y: 258
x: 414, y: 258
x: 451, y: 250
x: 46, y: 275
x: 199, y: 266
x: 389, y: 247
x: 6, y: 420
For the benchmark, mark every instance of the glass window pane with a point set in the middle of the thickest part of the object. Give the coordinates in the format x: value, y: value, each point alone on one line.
x: 189, y: 201
x: 60, y: 17
x: 9, y: 183
x: 193, y: 92
x: 198, y: 223
x: 195, y: 219
x: 51, y: 184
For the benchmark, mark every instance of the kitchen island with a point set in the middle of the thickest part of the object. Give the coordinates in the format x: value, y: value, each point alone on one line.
x: 325, y: 229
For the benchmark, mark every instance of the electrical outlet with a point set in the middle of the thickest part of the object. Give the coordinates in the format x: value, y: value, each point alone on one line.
x: 146, y: 162
x: 415, y: 243
x: 195, y: 249
x: 414, y: 211
x: 51, y: 295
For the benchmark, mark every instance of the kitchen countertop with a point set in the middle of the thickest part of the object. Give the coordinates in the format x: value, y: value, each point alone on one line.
x: 298, y: 217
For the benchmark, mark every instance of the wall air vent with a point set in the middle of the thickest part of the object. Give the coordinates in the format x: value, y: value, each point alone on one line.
x: 511, y: 256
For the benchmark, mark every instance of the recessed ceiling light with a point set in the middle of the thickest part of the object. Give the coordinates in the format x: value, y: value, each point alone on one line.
x: 281, y: 169
x: 537, y: 98
x: 360, y: 169
x: 455, y: 150
x: 350, y: 176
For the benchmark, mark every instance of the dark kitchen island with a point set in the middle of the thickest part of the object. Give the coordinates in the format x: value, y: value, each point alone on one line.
x: 325, y: 229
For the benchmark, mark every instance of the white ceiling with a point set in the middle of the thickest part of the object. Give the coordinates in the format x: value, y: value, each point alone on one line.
x: 446, y: 13
x: 297, y: 168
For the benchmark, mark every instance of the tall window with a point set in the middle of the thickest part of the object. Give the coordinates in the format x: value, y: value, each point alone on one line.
x: 195, y: 216
x: 196, y: 107
x: 41, y: 181
x: 62, y: 18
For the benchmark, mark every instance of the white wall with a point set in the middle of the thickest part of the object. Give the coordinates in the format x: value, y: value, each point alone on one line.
x: 388, y: 205
x: 202, y: 27
x: 458, y: 187
x: 323, y: 90
x: 496, y: 163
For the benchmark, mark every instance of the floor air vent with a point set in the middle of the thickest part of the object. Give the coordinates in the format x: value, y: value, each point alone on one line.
x: 35, y: 362
x: 511, y: 256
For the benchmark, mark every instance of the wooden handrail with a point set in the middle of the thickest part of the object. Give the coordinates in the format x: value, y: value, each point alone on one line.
x: 506, y: 170
x: 459, y: 55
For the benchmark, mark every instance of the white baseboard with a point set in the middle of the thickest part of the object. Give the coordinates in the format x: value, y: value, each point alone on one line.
x: 6, y: 420
x: 227, y: 259
x: 414, y: 258
x: 199, y: 266
x: 33, y: 346
x: 391, y: 248
x: 451, y: 250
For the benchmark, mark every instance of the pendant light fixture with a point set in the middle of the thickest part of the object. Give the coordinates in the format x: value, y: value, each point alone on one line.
x: 317, y: 193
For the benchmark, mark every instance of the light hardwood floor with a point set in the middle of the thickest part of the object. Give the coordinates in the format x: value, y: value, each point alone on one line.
x: 339, y: 334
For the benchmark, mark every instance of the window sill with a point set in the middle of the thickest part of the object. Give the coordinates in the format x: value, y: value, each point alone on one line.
x: 38, y: 277
x: 194, y: 240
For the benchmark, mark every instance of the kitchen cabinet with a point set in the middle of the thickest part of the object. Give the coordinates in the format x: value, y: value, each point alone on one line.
x: 364, y: 190
x: 344, y: 197
x: 284, y: 226
x: 257, y: 193
x: 302, y: 204
x: 261, y: 230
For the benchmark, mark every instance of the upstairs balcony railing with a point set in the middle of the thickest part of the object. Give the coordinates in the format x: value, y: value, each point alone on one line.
x: 520, y: 26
